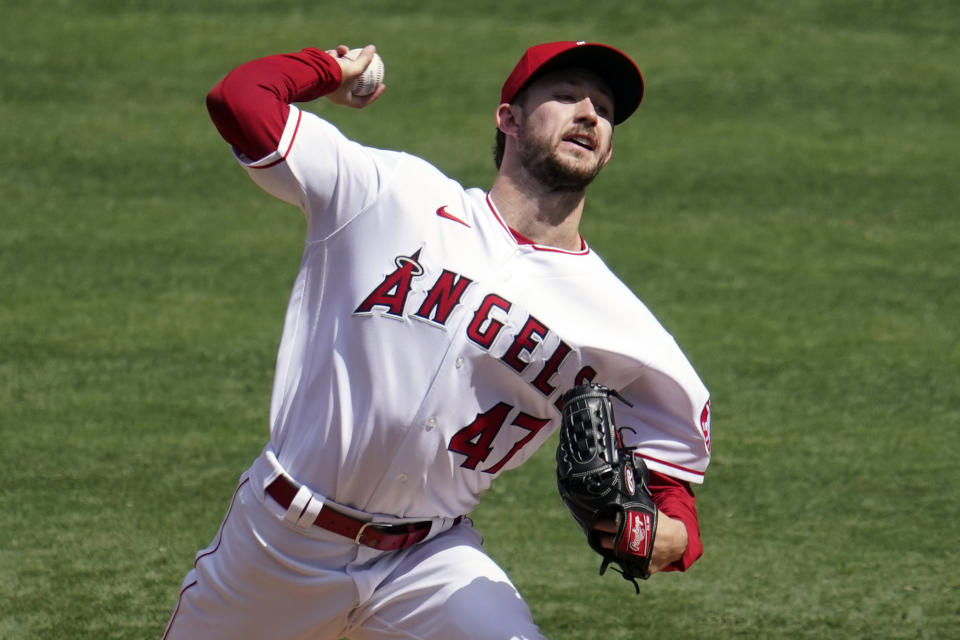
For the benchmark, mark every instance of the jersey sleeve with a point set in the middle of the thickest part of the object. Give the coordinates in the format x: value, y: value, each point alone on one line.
x: 669, y: 420
x: 290, y: 153
x: 330, y: 177
x: 665, y: 410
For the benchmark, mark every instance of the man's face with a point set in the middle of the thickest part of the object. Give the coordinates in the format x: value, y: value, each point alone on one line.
x: 566, y: 129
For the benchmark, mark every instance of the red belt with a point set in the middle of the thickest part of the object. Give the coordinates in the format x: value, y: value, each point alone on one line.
x: 385, y: 537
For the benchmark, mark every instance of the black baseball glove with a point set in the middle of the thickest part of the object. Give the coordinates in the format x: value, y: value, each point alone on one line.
x: 601, y: 479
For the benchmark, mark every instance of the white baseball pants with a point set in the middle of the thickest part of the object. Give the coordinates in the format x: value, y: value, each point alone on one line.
x: 264, y: 578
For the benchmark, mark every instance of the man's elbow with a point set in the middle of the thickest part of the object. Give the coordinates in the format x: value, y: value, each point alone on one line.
x: 217, y: 103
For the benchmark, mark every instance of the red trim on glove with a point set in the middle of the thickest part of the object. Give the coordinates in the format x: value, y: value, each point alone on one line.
x: 250, y: 105
x: 675, y: 498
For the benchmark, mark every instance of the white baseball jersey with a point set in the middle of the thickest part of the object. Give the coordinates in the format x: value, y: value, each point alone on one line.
x: 425, y: 347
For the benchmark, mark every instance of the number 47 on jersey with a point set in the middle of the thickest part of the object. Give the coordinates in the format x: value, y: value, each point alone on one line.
x: 475, y: 441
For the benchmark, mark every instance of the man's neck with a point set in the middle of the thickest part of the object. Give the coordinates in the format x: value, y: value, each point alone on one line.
x: 550, y: 218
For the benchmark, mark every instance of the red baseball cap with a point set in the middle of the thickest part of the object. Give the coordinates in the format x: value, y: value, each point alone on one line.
x: 613, y: 67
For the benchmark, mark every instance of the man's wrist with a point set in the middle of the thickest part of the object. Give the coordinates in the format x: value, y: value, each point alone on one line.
x: 670, y: 542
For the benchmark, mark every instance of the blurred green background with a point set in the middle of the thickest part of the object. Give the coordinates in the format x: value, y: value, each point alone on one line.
x: 785, y: 200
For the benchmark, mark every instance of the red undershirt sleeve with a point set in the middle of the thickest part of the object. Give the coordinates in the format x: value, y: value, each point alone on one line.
x: 675, y: 498
x: 250, y: 105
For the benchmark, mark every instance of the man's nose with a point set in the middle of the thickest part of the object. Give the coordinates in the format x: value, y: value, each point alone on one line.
x: 587, y: 112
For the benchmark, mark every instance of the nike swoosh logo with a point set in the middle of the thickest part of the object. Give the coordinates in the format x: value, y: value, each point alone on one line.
x: 443, y: 213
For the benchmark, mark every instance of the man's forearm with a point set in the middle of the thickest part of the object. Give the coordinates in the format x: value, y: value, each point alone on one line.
x: 670, y: 543
x: 250, y: 105
x: 676, y: 501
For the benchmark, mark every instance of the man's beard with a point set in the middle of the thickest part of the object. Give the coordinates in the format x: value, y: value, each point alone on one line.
x: 553, y: 171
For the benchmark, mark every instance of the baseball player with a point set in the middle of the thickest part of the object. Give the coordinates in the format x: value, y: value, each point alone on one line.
x: 430, y: 334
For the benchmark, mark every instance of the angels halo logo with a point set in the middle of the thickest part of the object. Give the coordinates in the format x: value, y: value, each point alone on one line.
x: 705, y: 424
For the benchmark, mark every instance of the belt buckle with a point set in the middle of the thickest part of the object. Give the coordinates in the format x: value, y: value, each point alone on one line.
x: 409, y: 534
x: 362, y: 530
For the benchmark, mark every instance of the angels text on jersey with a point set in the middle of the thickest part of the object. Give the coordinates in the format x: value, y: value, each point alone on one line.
x: 488, y: 320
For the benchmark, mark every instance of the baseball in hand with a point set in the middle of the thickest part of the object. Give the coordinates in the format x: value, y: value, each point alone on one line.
x: 367, y: 82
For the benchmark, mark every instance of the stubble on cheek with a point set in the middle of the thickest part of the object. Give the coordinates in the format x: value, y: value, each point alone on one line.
x: 557, y: 171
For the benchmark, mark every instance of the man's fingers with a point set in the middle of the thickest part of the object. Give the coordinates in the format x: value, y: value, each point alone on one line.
x: 352, y: 68
x: 366, y: 55
x: 356, y: 63
x: 607, y: 526
x: 362, y: 101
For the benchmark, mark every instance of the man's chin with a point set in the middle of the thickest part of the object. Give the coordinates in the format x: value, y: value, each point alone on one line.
x: 569, y: 174
x: 568, y: 168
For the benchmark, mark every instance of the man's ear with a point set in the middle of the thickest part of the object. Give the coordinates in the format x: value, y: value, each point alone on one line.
x: 508, y: 119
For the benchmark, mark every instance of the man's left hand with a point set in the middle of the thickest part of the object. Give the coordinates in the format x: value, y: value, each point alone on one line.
x: 669, y: 543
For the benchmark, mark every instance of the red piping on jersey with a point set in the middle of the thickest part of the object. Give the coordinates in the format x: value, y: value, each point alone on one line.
x: 522, y: 239
x: 283, y: 154
x: 293, y: 137
x: 670, y: 464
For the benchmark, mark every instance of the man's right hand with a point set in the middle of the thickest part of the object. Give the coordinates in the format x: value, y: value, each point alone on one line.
x: 351, y: 69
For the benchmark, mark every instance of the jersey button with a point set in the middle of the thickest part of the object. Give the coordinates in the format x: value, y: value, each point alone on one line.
x: 459, y: 362
x: 402, y: 477
x: 431, y: 423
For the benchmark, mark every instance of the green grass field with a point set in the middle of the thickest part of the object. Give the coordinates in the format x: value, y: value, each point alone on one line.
x: 785, y: 201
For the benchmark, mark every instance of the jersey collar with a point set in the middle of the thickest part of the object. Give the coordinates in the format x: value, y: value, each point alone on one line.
x: 522, y: 239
